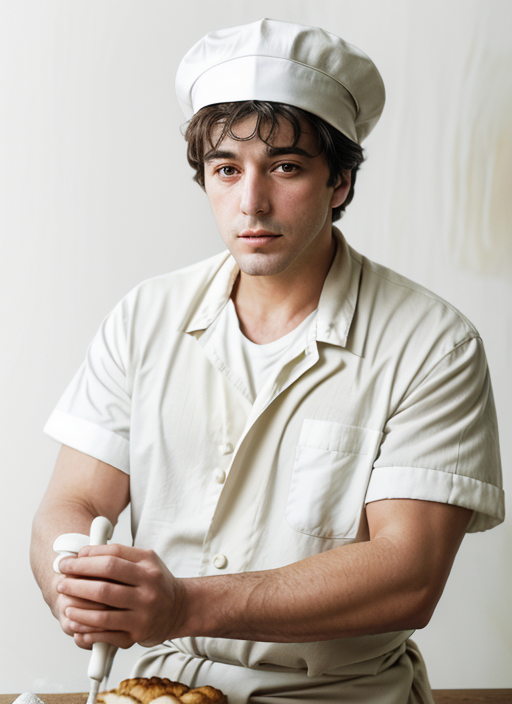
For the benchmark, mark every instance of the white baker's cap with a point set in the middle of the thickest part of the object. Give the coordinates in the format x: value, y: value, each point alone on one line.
x: 288, y: 63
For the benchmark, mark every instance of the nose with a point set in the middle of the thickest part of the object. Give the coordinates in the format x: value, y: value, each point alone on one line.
x: 255, y: 199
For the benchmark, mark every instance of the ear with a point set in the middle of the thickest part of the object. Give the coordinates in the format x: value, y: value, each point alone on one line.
x: 342, y: 188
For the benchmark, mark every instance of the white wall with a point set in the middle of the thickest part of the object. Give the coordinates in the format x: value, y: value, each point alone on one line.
x: 96, y: 196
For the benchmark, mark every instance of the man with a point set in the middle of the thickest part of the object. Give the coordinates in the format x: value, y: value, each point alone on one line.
x: 304, y: 436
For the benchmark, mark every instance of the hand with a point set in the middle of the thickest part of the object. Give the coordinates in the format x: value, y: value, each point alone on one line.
x: 59, y: 605
x: 130, y: 596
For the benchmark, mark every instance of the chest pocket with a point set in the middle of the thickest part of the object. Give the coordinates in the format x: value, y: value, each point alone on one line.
x: 331, y: 470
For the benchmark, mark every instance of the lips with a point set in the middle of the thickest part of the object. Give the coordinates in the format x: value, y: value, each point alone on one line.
x: 253, y: 234
x: 258, y: 238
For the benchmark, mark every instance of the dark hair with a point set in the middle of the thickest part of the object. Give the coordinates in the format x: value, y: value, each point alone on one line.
x: 340, y: 151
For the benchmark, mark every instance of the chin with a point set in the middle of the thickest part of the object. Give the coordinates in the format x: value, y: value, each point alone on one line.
x: 261, y: 265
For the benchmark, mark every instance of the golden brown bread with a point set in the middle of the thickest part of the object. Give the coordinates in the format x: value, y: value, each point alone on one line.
x: 114, y: 698
x: 204, y: 695
x: 143, y: 690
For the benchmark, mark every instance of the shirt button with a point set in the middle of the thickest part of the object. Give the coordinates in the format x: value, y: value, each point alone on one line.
x: 226, y: 449
x: 220, y: 561
x: 220, y: 476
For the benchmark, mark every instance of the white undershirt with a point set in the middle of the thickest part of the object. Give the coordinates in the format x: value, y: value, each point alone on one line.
x: 253, y: 364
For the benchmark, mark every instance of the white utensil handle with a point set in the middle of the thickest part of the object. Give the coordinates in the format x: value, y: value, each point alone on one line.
x: 98, y: 661
x: 68, y: 545
x: 101, y: 532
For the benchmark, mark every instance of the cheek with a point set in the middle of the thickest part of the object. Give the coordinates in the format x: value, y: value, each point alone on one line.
x: 216, y: 204
x: 224, y: 216
x: 306, y: 201
x: 220, y: 201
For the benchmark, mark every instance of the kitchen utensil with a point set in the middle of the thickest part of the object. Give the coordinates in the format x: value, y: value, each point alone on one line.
x: 70, y: 544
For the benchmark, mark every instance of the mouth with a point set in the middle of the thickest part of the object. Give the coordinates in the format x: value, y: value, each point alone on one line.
x: 258, y: 237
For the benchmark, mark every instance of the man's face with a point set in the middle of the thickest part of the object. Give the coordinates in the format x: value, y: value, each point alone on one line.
x: 271, y: 203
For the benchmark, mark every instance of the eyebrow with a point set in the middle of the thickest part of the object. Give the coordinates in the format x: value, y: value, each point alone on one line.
x: 214, y: 154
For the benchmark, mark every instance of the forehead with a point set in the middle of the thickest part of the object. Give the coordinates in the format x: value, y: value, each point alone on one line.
x: 249, y: 129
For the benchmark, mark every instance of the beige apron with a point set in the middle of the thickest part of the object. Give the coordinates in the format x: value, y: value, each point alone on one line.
x: 400, y: 679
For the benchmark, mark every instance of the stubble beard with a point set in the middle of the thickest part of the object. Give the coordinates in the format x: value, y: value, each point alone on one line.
x: 262, y: 264
x: 267, y: 263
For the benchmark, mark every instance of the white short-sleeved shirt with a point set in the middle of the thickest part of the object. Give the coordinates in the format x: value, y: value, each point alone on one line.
x: 388, y: 397
x: 254, y: 364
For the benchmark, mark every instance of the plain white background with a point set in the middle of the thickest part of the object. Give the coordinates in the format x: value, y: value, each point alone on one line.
x: 96, y: 195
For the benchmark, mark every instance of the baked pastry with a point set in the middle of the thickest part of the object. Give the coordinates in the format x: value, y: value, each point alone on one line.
x: 146, y: 690
x: 204, y: 695
x: 160, y: 690
x: 114, y: 698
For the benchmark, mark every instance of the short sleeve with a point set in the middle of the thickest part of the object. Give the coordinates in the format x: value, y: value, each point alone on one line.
x: 93, y: 415
x: 441, y: 444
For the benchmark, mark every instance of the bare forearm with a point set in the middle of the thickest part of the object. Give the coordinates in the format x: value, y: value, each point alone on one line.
x: 354, y: 590
x: 81, y: 488
x: 391, y: 581
x: 51, y: 520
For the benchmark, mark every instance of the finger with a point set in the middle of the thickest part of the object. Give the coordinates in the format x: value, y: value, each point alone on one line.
x: 103, y: 567
x: 65, y: 624
x: 80, y: 628
x: 66, y: 600
x: 102, y: 620
x: 121, y: 639
x: 70, y: 627
x: 124, y: 552
x: 118, y: 596
x: 79, y: 640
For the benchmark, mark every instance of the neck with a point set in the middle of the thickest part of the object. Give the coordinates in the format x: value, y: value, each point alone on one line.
x: 269, y: 307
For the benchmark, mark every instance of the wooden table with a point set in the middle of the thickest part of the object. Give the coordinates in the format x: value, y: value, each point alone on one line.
x: 49, y: 698
x: 468, y: 696
x: 441, y: 696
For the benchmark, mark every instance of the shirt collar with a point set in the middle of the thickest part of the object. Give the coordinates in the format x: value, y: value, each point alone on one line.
x: 336, y: 307
x: 338, y: 300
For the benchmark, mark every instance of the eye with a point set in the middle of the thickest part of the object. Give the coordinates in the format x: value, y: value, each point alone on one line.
x: 226, y: 171
x: 288, y: 168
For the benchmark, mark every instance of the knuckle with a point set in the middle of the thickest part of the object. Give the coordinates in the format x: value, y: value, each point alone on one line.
x: 102, y: 591
x: 150, y: 596
x: 111, y: 563
x: 151, y: 555
x: 153, y: 574
x: 97, y: 619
